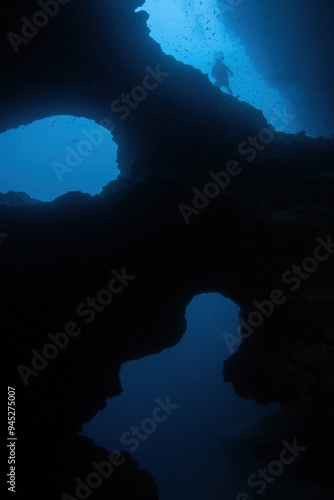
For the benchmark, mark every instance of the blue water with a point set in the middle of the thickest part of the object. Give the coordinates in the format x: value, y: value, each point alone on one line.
x: 195, y: 32
x: 184, y: 453
x: 55, y: 155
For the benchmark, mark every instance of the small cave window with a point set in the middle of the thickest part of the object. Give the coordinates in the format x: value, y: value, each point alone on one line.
x: 55, y: 155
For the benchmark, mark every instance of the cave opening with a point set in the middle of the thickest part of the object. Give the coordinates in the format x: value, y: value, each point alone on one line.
x: 269, y: 67
x: 56, y: 155
x: 177, y: 400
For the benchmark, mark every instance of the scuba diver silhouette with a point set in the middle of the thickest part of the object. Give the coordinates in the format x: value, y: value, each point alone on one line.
x: 221, y: 73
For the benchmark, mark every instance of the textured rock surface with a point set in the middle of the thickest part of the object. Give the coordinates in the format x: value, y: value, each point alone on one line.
x: 57, y: 254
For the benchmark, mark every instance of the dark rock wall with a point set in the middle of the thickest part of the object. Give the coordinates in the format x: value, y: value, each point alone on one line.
x: 57, y: 254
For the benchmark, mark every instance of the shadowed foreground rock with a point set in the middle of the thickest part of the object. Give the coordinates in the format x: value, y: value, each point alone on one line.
x: 262, y: 218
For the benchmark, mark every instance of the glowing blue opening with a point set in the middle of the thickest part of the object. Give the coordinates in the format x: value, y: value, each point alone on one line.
x: 183, y: 449
x: 55, y: 155
x: 195, y: 33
